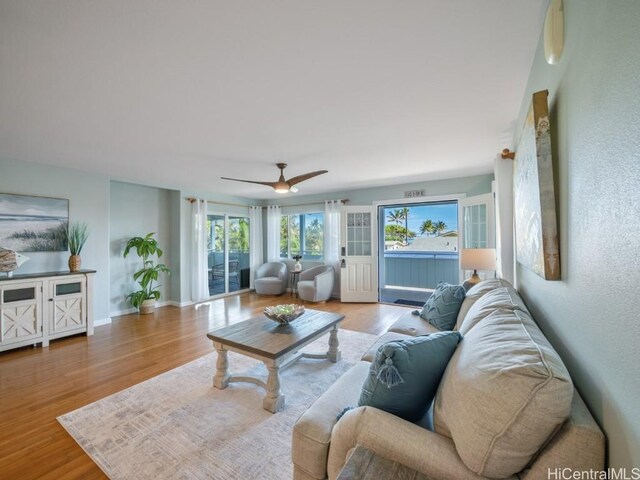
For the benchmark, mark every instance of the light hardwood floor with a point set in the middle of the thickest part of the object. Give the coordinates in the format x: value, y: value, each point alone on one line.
x: 37, y: 385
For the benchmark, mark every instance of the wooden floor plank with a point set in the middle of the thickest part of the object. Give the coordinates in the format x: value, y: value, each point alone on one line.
x: 37, y: 385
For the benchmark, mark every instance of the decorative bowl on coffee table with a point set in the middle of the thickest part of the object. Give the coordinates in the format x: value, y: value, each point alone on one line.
x: 284, y: 314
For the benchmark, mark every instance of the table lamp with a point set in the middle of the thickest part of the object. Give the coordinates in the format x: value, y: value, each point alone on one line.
x: 476, y: 259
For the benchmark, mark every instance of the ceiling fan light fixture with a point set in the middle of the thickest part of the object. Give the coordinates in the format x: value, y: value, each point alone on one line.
x: 281, y: 188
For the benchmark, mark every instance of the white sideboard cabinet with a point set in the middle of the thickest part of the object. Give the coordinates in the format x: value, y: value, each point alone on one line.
x: 36, y: 308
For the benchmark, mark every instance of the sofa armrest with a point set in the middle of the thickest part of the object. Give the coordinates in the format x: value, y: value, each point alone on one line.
x: 283, y: 275
x: 324, y: 284
x: 312, y: 432
x: 385, y: 434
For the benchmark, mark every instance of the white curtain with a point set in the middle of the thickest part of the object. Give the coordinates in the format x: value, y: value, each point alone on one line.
x: 332, y: 238
x: 199, y: 265
x: 273, y: 233
x: 255, y: 239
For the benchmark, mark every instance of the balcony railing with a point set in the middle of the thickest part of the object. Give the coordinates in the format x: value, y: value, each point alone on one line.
x: 420, y: 270
x: 238, y: 282
x: 217, y: 257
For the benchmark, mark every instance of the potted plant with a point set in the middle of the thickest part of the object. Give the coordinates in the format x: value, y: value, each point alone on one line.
x: 76, y: 236
x: 146, y: 247
x: 298, y: 266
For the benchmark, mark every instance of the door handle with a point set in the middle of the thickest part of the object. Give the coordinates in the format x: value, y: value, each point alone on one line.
x: 343, y: 263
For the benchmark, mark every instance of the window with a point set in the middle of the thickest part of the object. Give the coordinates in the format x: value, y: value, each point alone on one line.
x: 302, y: 234
x: 475, y: 226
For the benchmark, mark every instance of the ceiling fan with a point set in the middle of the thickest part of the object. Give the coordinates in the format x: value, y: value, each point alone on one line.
x: 282, y: 185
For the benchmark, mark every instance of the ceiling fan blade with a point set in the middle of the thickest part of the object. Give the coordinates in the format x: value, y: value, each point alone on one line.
x: 268, y: 184
x: 301, y: 178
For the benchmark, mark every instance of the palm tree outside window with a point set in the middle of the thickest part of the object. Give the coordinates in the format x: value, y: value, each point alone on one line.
x: 302, y: 234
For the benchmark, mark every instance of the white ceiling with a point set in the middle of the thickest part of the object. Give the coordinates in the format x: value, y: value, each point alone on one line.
x: 179, y: 93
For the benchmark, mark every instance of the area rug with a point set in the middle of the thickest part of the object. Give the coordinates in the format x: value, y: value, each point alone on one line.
x: 177, y: 426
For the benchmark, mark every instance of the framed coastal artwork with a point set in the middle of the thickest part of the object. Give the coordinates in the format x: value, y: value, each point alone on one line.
x: 33, y: 224
x: 534, y: 194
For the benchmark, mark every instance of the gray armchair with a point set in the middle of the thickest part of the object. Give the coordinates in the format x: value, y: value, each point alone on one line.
x: 271, y: 278
x: 316, y: 283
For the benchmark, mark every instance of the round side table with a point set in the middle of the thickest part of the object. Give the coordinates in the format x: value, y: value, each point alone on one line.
x: 293, y: 280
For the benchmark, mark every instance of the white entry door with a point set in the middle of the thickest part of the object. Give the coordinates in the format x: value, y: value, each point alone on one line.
x: 359, y: 249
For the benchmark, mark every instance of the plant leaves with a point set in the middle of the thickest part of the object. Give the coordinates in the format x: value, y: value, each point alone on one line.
x: 146, y: 247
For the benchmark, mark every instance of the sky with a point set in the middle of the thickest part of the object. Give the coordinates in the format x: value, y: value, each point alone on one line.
x: 448, y: 213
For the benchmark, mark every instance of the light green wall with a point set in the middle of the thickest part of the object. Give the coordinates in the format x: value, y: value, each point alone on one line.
x: 591, y: 315
x: 136, y: 210
x: 116, y: 210
x: 88, y: 196
x: 474, y: 185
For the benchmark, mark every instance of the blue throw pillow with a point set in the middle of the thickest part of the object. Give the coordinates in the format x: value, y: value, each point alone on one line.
x: 405, y: 374
x: 441, y: 310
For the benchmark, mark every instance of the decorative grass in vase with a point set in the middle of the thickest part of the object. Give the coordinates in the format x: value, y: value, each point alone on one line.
x: 77, y: 235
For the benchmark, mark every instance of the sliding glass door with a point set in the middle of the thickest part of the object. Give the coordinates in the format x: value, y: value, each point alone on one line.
x: 228, y: 253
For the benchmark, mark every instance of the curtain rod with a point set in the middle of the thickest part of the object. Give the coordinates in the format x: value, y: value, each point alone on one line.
x: 341, y: 200
x: 191, y: 200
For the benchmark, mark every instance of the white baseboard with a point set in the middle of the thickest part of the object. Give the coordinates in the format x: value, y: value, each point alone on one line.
x: 102, y: 321
x: 164, y: 303
x: 179, y: 304
x: 126, y: 311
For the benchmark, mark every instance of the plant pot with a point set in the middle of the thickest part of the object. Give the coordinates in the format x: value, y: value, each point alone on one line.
x: 75, y: 262
x: 148, y: 306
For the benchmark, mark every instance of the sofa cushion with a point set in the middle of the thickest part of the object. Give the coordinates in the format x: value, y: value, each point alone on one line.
x: 268, y: 285
x: 503, y: 297
x: 475, y: 293
x: 404, y: 375
x: 442, y: 307
x: 312, y: 431
x: 414, y: 325
x: 504, y: 393
x: 386, y: 338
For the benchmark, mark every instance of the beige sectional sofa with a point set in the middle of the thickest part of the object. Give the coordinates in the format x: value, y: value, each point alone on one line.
x: 505, y: 407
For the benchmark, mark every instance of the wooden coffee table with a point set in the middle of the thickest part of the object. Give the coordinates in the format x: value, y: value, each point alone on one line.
x: 276, y: 345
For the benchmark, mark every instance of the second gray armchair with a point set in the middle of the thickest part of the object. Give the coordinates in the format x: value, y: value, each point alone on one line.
x: 316, y: 283
x: 271, y: 278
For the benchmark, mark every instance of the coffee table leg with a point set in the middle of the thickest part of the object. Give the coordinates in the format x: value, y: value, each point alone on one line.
x: 334, y: 351
x: 274, y: 399
x: 221, y: 378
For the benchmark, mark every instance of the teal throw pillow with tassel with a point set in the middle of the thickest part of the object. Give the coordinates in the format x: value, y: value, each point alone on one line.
x: 405, y: 374
x: 442, y: 307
